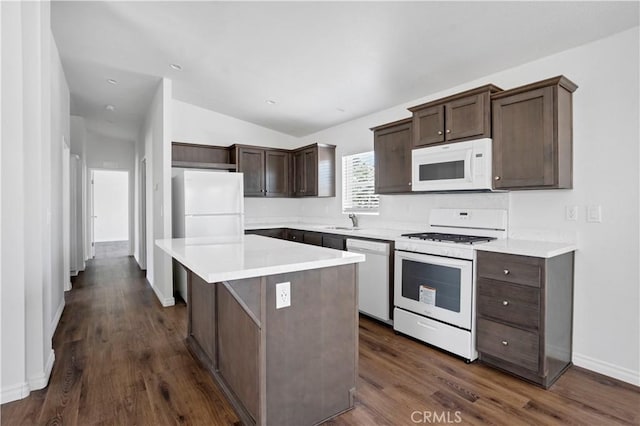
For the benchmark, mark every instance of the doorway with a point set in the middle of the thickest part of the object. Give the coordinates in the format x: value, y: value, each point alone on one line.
x: 110, y: 213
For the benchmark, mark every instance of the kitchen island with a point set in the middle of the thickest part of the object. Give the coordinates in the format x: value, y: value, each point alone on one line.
x: 291, y: 365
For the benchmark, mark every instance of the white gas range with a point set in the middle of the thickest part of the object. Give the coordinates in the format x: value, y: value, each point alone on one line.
x: 435, y: 277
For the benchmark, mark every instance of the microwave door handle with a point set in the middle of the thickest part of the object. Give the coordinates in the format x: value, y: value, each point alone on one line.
x: 467, y: 166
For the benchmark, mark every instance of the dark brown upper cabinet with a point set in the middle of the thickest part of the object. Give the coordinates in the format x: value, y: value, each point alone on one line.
x: 266, y: 171
x: 532, y: 136
x: 314, y: 171
x: 392, y: 151
x: 459, y: 117
x: 191, y: 155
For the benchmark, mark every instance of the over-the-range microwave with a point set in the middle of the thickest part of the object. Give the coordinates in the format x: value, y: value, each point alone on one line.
x: 459, y: 166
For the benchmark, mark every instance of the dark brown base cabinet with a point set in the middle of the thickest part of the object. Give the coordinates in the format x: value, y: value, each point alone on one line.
x: 291, y: 366
x: 392, y: 152
x: 524, y: 312
x: 532, y: 136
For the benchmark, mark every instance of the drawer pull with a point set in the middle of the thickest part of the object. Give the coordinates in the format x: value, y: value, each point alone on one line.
x: 430, y: 327
x: 505, y: 343
x: 506, y: 272
x: 505, y: 303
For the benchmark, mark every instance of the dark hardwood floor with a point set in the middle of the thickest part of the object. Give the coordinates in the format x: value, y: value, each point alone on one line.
x: 121, y: 360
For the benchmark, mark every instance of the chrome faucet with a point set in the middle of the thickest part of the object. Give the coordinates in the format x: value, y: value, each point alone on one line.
x: 354, y: 219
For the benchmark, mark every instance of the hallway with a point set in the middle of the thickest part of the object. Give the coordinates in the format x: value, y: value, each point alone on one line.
x: 121, y: 359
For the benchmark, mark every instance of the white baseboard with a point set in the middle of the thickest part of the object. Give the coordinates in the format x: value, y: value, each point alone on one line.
x: 608, y: 369
x: 67, y: 285
x: 41, y: 381
x: 14, y: 392
x: 164, y: 301
x: 56, y: 318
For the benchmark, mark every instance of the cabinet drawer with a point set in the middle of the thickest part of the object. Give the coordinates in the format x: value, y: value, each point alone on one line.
x: 515, y: 304
x: 511, y: 268
x: 511, y: 344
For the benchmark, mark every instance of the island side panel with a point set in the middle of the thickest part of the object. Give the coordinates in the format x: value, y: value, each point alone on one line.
x: 202, y: 319
x: 311, y: 359
x: 238, y: 349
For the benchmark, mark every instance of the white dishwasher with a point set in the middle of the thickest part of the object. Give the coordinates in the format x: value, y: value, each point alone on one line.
x: 373, y: 277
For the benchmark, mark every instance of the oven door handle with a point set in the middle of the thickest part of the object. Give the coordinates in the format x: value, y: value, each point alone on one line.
x: 430, y: 327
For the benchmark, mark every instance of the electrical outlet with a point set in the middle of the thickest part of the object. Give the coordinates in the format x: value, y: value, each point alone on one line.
x: 571, y: 213
x: 283, y: 295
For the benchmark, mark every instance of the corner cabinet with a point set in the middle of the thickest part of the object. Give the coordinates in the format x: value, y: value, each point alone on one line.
x: 266, y: 171
x: 392, y: 152
x: 314, y: 171
x: 524, y: 314
x: 532, y: 136
x: 459, y: 117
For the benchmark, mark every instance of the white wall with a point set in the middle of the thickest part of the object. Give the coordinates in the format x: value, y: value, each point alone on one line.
x: 198, y: 125
x: 59, y: 187
x: 79, y: 147
x: 111, y: 205
x: 156, y: 134
x: 78, y: 140
x: 35, y: 100
x: 106, y: 153
x: 606, y: 134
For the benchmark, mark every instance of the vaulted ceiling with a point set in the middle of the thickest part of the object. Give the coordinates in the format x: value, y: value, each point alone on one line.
x: 322, y: 63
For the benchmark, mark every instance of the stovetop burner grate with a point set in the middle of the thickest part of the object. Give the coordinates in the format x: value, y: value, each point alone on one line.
x: 454, y: 238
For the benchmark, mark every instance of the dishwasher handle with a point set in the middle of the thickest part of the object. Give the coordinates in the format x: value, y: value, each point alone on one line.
x: 364, y: 246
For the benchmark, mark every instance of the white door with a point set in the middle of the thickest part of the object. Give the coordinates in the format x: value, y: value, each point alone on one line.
x: 110, y: 206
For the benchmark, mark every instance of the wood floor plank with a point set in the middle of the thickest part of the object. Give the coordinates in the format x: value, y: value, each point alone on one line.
x: 121, y: 359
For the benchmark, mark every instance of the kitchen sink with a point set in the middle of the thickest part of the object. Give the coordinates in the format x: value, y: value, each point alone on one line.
x: 342, y: 228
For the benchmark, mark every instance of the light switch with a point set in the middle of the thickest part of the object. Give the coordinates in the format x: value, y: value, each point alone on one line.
x: 594, y: 213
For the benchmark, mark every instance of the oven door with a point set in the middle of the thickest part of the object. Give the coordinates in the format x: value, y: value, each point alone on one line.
x: 436, y: 287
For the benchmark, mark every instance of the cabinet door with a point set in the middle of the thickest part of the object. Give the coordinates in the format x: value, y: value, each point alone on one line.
x: 392, y: 151
x: 310, y: 172
x: 428, y: 126
x: 313, y: 238
x: 298, y: 174
x: 466, y: 118
x: 277, y: 173
x: 295, y: 235
x: 251, y: 164
x: 523, y: 151
x: 333, y: 241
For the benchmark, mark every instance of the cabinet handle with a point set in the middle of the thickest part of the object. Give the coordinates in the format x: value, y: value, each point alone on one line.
x: 505, y: 343
x: 506, y: 272
x: 439, y: 132
x: 505, y: 303
x: 497, y: 178
x: 448, y: 131
x: 409, y: 183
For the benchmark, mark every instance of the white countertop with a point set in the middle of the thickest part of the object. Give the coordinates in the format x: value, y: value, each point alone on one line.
x: 375, y: 233
x: 542, y: 249
x: 254, y: 256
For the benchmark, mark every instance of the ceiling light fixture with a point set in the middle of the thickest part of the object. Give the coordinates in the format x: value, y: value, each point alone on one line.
x: 270, y: 102
x: 176, y: 67
x: 112, y: 81
x: 110, y: 108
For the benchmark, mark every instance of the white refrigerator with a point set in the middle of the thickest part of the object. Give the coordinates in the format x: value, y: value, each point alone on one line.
x: 206, y: 203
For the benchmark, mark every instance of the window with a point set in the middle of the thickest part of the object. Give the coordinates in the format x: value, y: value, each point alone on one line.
x: 358, y: 192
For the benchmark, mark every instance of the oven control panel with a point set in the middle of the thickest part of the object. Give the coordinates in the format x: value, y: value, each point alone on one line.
x: 436, y: 249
